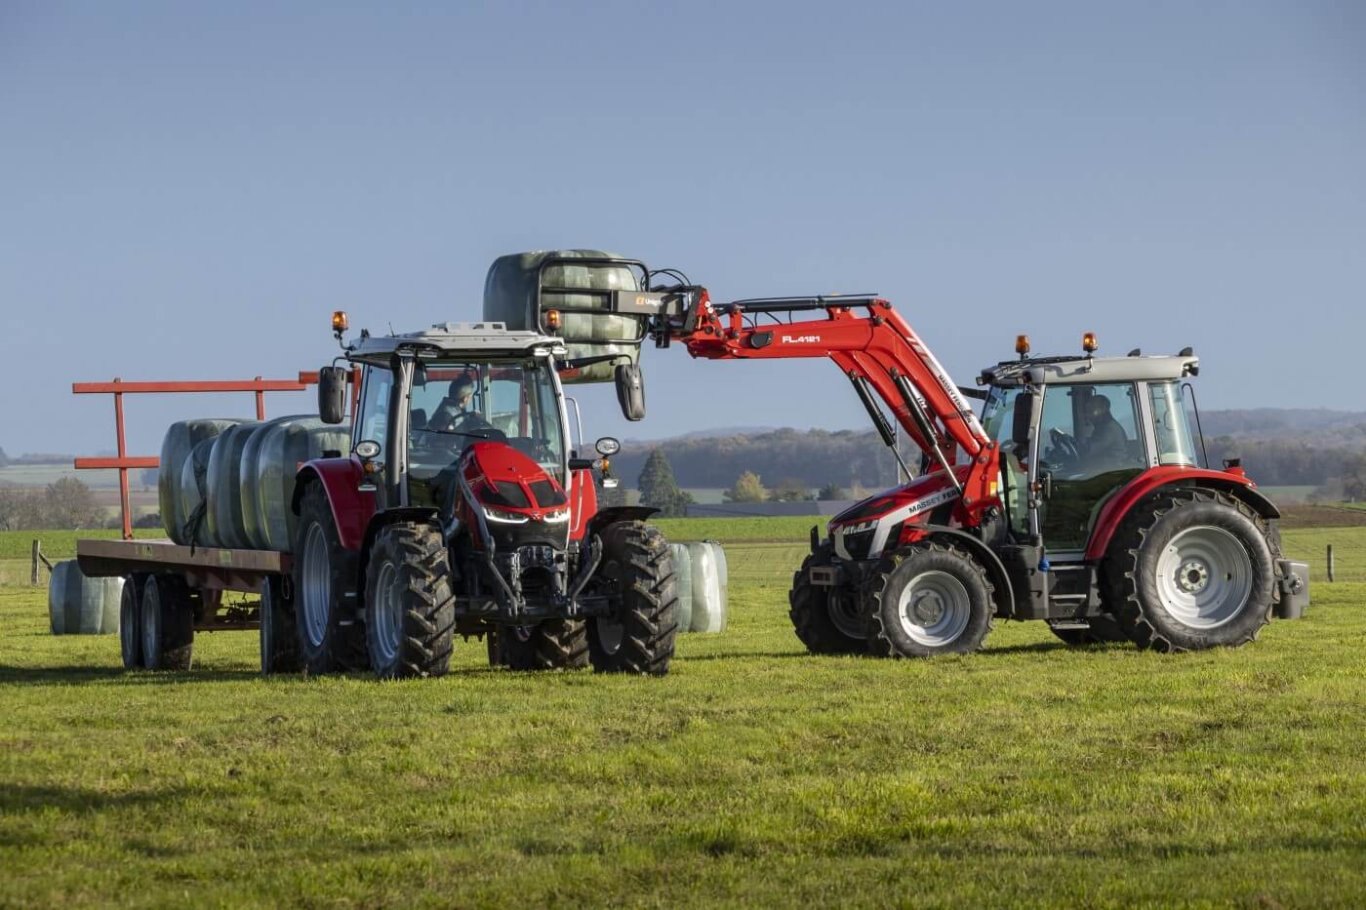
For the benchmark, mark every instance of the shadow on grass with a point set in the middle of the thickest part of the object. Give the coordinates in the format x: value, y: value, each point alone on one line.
x: 20, y: 798
x: 87, y: 675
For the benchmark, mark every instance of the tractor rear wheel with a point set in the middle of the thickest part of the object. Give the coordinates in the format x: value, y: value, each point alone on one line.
x: 1191, y: 569
x: 167, y: 624
x: 279, y: 637
x: 928, y: 599
x: 637, y: 574
x: 410, y: 621
x: 556, y: 644
x: 826, y: 620
x: 324, y: 577
x: 1099, y: 630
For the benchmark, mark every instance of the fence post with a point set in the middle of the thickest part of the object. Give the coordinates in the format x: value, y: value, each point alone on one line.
x: 37, y: 556
x: 1330, y: 562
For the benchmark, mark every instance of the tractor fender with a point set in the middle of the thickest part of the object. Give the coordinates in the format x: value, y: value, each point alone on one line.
x: 618, y: 513
x: 1117, y: 507
x: 1001, y: 590
x: 352, y: 508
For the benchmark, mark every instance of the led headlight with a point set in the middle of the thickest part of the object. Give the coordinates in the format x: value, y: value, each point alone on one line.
x: 556, y: 518
x: 511, y: 518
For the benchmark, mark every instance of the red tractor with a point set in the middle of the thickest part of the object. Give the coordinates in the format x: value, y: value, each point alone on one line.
x: 464, y: 507
x: 1078, y: 497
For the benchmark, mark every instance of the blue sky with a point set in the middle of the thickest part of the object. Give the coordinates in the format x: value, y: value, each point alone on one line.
x: 188, y: 189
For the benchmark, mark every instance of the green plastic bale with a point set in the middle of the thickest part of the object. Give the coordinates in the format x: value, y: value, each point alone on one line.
x: 225, y: 524
x: 246, y: 480
x: 193, y: 482
x: 279, y: 453
x: 683, y: 577
x: 179, y: 442
x: 510, y: 297
x: 708, y: 603
x: 77, y: 605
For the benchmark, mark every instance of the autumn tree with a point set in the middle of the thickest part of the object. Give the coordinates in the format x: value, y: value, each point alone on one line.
x: 69, y: 503
x: 748, y: 488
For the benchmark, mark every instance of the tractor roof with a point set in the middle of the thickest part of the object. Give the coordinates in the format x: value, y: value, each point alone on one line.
x: 456, y: 339
x: 1074, y: 370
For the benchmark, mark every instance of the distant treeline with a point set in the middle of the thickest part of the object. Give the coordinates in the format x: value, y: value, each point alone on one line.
x: 848, y: 458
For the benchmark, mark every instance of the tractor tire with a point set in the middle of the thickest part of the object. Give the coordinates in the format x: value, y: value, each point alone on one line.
x: 637, y: 572
x: 556, y: 644
x: 928, y: 599
x: 410, y: 610
x: 1190, y: 570
x: 130, y: 622
x: 167, y: 624
x: 825, y: 624
x: 279, y: 629
x: 324, y: 579
x: 1100, y: 630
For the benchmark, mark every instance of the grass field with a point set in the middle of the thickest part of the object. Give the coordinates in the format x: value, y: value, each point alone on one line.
x: 1028, y: 774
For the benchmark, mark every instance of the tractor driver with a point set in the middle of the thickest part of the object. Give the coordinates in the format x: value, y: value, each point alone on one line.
x: 456, y: 413
x: 1106, y: 444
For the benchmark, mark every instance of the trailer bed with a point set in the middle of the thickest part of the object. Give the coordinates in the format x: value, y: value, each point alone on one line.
x: 210, y: 568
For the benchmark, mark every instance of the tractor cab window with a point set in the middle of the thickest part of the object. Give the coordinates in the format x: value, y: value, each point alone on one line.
x: 374, y: 408
x: 999, y: 421
x: 1171, y: 424
x: 1090, y: 445
x: 455, y: 404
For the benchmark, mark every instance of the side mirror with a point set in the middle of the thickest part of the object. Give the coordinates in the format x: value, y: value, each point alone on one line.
x: 1019, y: 427
x: 631, y: 391
x: 332, y: 394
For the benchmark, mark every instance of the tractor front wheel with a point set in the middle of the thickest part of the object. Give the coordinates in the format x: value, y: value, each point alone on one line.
x: 928, y: 599
x: 637, y: 574
x: 410, y: 620
x: 1191, y: 569
x: 826, y: 620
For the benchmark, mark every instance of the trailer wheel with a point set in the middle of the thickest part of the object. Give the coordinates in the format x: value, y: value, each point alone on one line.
x: 1191, y: 569
x: 279, y: 633
x: 167, y: 624
x: 130, y: 622
x: 826, y: 624
x: 928, y: 599
x: 324, y: 576
x: 556, y: 644
x: 410, y: 619
x: 637, y: 574
x: 1099, y: 630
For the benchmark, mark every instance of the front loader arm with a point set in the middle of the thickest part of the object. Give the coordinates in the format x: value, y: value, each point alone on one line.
x: 869, y: 341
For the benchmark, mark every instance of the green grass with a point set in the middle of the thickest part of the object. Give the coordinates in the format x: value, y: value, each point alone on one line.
x: 754, y: 774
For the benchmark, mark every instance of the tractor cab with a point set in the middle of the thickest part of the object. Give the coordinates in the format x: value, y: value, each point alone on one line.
x: 1075, y: 430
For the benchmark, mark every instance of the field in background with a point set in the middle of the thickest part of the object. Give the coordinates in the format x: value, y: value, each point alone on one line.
x: 754, y: 773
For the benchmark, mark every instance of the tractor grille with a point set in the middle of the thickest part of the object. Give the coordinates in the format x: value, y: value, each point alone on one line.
x: 859, y: 543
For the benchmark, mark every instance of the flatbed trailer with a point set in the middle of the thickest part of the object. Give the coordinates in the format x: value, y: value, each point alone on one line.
x: 173, y: 591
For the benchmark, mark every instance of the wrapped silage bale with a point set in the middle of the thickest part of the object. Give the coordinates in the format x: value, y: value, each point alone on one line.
x: 246, y: 479
x: 193, y: 482
x: 77, y: 605
x: 722, y: 569
x: 223, y: 489
x: 708, y: 602
x: 510, y: 297
x: 278, y: 454
x: 682, y: 561
x: 179, y: 442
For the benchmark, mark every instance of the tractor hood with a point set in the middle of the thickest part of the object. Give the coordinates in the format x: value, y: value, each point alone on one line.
x: 511, y: 487
x: 922, y: 494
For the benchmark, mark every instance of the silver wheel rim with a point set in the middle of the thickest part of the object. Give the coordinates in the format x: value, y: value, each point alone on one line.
x: 387, y: 615
x: 1204, y: 577
x: 317, y: 587
x: 610, y: 635
x: 151, y: 623
x: 844, y: 614
x: 934, y: 609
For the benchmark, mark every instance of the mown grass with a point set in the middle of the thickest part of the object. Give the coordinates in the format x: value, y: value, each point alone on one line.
x: 754, y: 774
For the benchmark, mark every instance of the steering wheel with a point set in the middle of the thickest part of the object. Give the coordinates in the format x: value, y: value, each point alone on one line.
x: 1063, y: 446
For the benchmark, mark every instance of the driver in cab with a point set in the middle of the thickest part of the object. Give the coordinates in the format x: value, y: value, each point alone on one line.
x: 1107, y: 443
x: 456, y: 412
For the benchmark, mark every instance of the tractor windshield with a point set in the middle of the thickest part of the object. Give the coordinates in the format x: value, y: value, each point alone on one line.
x: 1171, y: 424
x: 457, y: 403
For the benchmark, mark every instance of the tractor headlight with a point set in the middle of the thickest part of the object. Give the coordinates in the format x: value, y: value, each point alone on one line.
x: 556, y: 518
x: 509, y: 518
